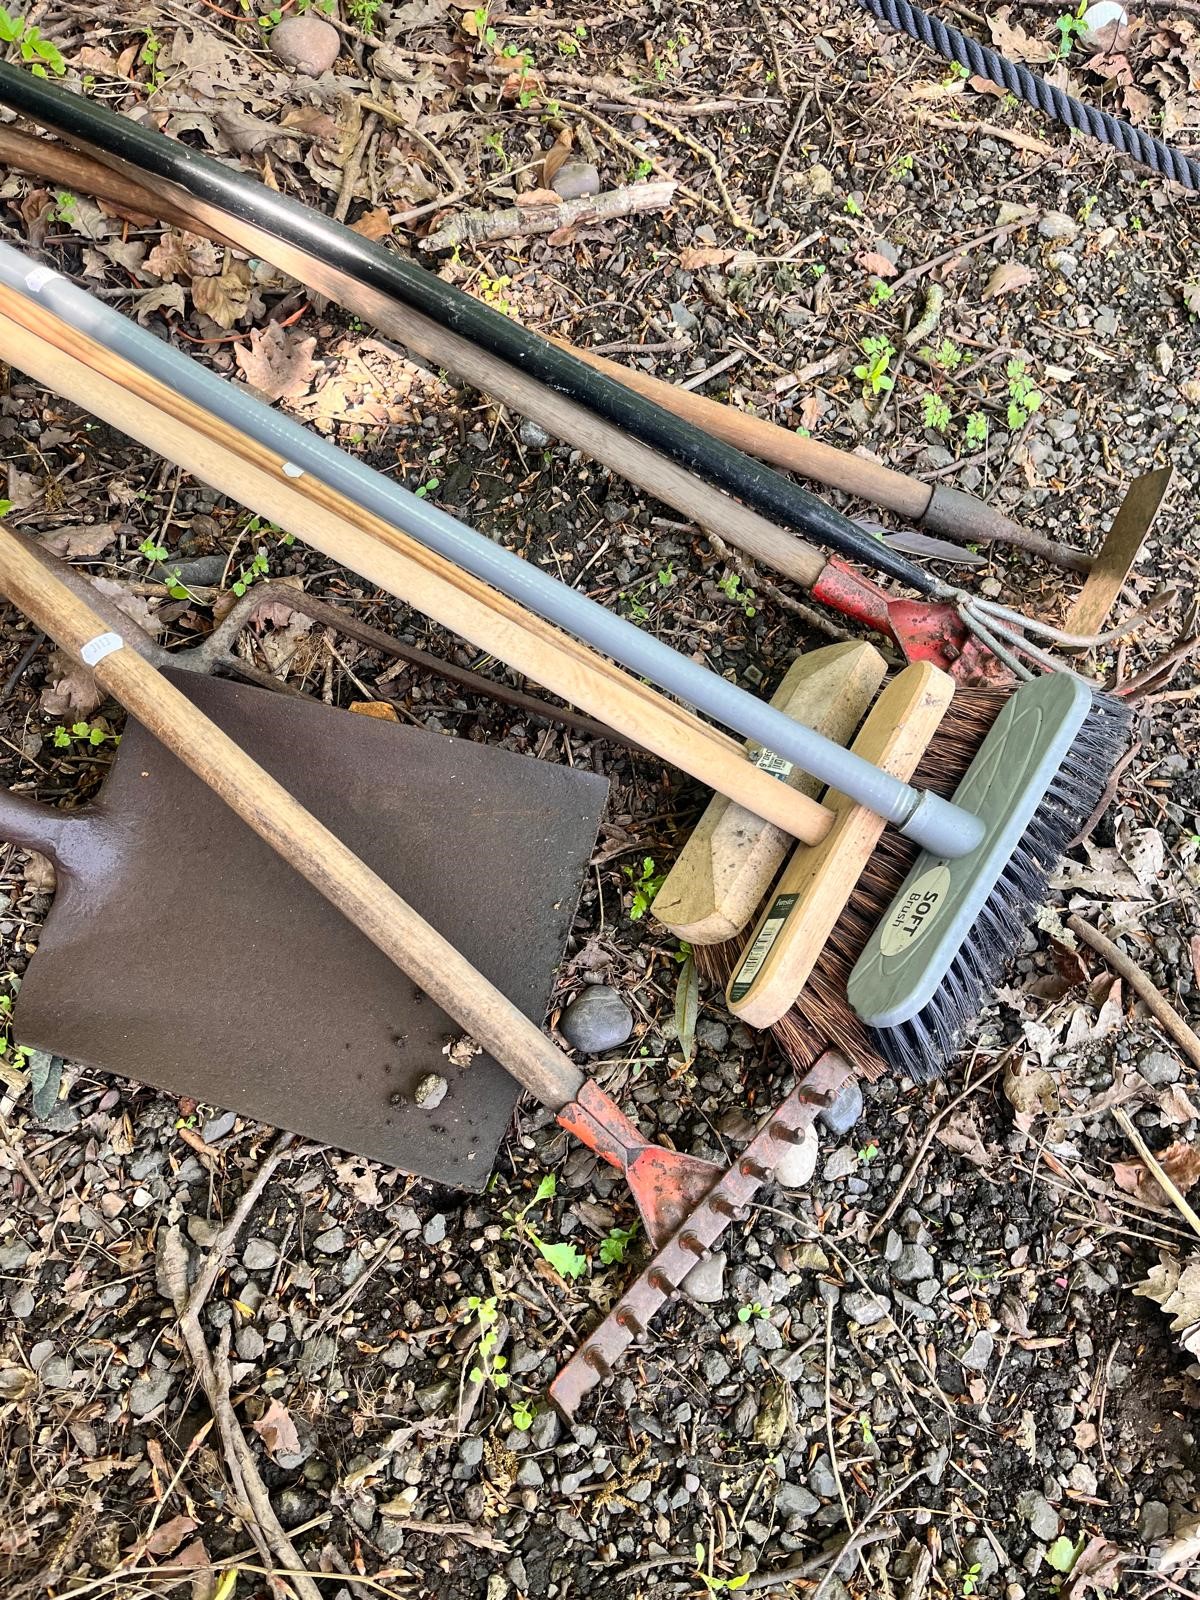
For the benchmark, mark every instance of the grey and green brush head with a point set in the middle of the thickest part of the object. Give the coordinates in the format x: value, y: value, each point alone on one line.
x: 954, y: 928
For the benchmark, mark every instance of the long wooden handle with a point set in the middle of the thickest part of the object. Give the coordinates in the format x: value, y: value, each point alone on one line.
x: 40, y: 344
x: 306, y: 844
x: 868, y: 480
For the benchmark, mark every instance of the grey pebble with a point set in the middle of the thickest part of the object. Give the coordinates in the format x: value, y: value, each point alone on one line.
x: 596, y: 1020
x: 980, y: 1555
x: 1154, y: 1521
x: 148, y: 1392
x: 846, y: 1109
x: 1039, y: 1514
x: 913, y: 1264
x: 532, y: 433
x: 706, y: 1281
x: 331, y: 1242
x: 434, y: 1230
x: 682, y: 317
x: 306, y: 43
x: 259, y: 1254
x: 821, y: 1479
x: 545, y: 1430
x: 766, y: 1335
x: 575, y: 179
x: 979, y: 1352
x: 57, y: 1372
x: 249, y: 1343
x: 714, y: 1367
x: 22, y: 1304
x: 1158, y: 1068
x: 217, y: 1127
x: 430, y: 1091
x: 841, y: 1163
x: 799, y: 1161
x: 711, y: 1035
x: 794, y: 1500
x: 529, y: 1475
x: 866, y: 1309
x: 1058, y: 225
x: 470, y: 1451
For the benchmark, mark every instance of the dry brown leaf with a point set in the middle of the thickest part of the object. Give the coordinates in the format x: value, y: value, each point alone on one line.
x: 961, y: 1133
x: 16, y: 1383
x: 1181, y: 1163
x: 356, y: 1175
x: 167, y: 297
x: 1181, y: 1549
x: 1085, y: 1435
x: 1097, y: 1569
x: 81, y: 539
x: 556, y: 155
x: 183, y: 255
x: 376, y: 224
x: 703, y: 255
x: 1175, y: 1106
x: 165, y: 1540
x: 1012, y: 40
x: 278, y: 363
x: 1141, y: 849
x: 532, y: 198
x: 1007, y: 278
x: 225, y: 298
x: 1174, y: 1286
x: 873, y: 261
x: 69, y: 692
x: 1031, y: 1091
x: 277, y: 1430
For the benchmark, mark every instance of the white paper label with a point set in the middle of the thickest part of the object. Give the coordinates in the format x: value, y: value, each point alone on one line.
x: 39, y: 278
x: 104, y: 644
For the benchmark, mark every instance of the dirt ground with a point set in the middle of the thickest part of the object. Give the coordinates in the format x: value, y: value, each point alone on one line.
x: 928, y: 1372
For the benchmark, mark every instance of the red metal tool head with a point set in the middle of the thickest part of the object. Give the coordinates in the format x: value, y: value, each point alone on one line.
x: 926, y: 630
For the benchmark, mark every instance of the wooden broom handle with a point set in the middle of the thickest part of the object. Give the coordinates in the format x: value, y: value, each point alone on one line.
x: 306, y: 844
x: 40, y: 344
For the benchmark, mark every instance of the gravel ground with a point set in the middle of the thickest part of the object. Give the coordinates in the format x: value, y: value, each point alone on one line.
x: 927, y: 1372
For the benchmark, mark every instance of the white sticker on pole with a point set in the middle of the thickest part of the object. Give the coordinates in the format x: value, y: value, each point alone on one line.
x: 39, y: 278
x: 104, y: 644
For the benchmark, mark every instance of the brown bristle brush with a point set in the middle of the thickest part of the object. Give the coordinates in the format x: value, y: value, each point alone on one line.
x: 821, y: 1016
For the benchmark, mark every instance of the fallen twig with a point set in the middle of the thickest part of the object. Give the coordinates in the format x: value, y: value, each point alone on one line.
x: 475, y: 227
x: 1125, y: 967
x: 1161, y: 1176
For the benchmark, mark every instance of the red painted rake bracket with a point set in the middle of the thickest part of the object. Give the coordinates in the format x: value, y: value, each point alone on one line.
x: 697, y: 1230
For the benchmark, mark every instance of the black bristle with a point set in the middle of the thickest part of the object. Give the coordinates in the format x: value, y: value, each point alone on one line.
x: 924, y: 1046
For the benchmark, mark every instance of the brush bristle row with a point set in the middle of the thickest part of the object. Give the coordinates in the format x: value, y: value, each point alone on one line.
x: 923, y: 1047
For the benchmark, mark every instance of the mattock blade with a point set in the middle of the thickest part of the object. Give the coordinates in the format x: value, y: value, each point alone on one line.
x: 695, y: 1232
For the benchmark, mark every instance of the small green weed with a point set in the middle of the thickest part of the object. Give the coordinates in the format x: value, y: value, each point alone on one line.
x: 363, y: 14
x: 868, y: 1433
x: 868, y: 1153
x: 613, y: 1249
x: 148, y: 58
x: 32, y: 47
x: 880, y: 292
x: 65, y: 207
x: 522, y: 1416
x: 250, y: 573
x: 640, y: 170
x: 563, y: 1256
x: 495, y: 142
x: 873, y: 372
x: 666, y: 575
x: 1070, y: 26
x: 902, y: 166
x: 717, y: 1585
x: 1023, y: 397
x: 935, y: 413
x: 949, y: 357
x: 970, y: 1580
x: 853, y: 207
x: 84, y: 733
x: 491, y: 292
x: 977, y: 428
x: 488, y: 1368
x: 646, y: 881
x: 427, y: 488
x: 748, y: 1313
x: 731, y: 587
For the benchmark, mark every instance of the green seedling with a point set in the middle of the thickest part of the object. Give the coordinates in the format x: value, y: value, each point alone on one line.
x: 491, y: 291
x: 489, y: 1367
x: 363, y: 14
x: 949, y: 357
x: 902, y: 166
x: 853, y: 207
x: 970, y: 1580
x: 613, y: 1249
x: 880, y: 292
x: 755, y: 1309
x: 31, y: 46
x: 258, y: 568
x: 868, y: 1433
x: 666, y: 575
x: 84, y: 733
x: 1023, y: 397
x: 427, y: 488
x: 640, y: 170
x: 935, y: 413
x: 148, y: 58
x: 66, y: 207
x: 977, y: 428
x: 868, y: 1153
x: 717, y: 1585
x: 563, y: 1256
x: 1070, y: 26
x: 522, y: 1416
x: 635, y: 603
x: 646, y: 881
x: 731, y: 587
x: 873, y: 372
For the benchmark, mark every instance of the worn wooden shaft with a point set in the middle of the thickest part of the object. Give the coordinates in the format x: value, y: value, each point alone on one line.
x: 374, y: 908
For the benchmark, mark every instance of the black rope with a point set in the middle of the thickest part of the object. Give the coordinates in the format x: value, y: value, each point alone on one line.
x: 984, y: 62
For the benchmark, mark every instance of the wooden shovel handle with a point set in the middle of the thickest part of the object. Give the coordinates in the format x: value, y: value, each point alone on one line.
x: 42, y: 345
x: 374, y: 908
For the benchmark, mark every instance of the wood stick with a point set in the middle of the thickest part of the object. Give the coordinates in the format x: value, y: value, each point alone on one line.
x: 1161, y: 1176
x: 816, y: 883
x: 731, y: 858
x: 1125, y: 967
x: 374, y: 908
x: 655, y: 474
x: 41, y: 345
x: 473, y: 227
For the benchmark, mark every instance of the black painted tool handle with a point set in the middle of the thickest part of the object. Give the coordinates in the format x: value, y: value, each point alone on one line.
x: 237, y: 193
